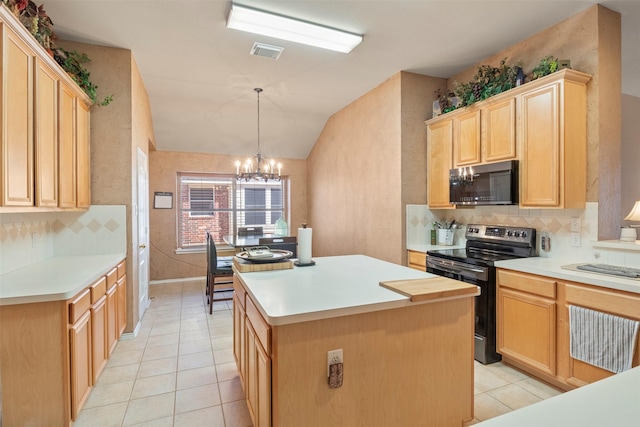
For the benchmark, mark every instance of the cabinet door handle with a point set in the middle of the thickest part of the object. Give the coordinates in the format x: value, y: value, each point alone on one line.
x: 142, y: 246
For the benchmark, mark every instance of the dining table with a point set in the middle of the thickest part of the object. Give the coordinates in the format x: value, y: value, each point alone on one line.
x: 240, y: 242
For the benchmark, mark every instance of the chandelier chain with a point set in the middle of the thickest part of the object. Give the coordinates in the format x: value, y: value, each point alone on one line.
x: 270, y: 173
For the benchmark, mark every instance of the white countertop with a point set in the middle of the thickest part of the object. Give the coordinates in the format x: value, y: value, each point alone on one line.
x: 613, y: 401
x: 335, y: 286
x: 552, y: 267
x: 54, y: 279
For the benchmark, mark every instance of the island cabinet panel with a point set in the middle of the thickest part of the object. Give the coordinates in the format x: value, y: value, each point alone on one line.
x: 439, y: 162
x: 392, y: 373
x: 16, y: 123
x: 239, y: 328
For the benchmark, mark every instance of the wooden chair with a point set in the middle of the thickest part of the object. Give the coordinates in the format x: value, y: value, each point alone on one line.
x: 219, y: 272
x: 289, y: 243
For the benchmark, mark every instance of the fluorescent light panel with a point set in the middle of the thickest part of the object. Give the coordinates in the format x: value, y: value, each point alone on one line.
x: 268, y: 24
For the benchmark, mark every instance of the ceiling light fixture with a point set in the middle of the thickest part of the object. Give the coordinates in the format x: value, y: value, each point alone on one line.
x: 282, y: 27
x: 253, y: 171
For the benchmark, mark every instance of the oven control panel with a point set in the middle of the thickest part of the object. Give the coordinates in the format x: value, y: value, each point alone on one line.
x: 501, y: 233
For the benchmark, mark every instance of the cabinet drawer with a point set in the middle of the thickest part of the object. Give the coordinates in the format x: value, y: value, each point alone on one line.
x: 618, y: 303
x: 262, y: 329
x: 112, y: 277
x: 98, y: 290
x: 418, y: 259
x: 79, y: 305
x: 239, y: 291
x: 122, y: 269
x: 536, y: 285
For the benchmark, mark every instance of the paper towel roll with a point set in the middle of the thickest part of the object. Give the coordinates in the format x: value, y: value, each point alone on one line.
x: 304, y: 245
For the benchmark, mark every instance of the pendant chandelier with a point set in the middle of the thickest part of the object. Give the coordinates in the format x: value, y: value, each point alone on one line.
x: 258, y: 168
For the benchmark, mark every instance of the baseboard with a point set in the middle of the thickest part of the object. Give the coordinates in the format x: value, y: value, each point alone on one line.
x: 186, y: 279
x: 131, y: 335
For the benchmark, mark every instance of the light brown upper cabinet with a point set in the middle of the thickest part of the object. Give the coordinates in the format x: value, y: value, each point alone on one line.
x: 499, y: 130
x: 83, y: 156
x: 541, y: 123
x: 67, y: 148
x: 485, y: 132
x: 553, y: 135
x: 439, y: 162
x: 44, y: 126
x: 16, y: 121
x: 466, y: 139
x: 46, y: 136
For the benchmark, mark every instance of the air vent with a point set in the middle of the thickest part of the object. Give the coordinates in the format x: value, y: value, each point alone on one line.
x: 266, y: 50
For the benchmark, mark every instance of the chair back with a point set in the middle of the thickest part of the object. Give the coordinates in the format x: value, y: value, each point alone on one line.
x: 207, y: 237
x: 289, y: 243
x: 250, y: 231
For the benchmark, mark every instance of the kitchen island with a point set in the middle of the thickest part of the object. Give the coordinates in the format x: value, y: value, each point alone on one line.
x: 404, y: 363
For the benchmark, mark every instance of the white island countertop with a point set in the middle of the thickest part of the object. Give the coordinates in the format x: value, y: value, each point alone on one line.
x: 613, y: 401
x: 552, y: 267
x: 334, y: 286
x: 54, y: 279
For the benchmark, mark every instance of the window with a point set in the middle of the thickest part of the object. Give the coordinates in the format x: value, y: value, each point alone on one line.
x: 217, y: 203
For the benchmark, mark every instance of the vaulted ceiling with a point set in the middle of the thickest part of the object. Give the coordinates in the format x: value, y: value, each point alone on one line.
x: 200, y: 76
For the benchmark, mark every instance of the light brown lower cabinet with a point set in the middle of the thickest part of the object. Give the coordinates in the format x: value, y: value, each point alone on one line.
x: 81, y: 368
x: 526, y: 316
x: 533, y: 324
x: 417, y: 260
x: 51, y: 354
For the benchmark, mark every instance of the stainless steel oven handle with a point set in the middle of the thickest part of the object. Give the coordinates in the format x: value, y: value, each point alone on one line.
x: 455, y: 265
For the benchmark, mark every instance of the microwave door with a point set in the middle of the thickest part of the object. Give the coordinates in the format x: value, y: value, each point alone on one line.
x: 500, y: 184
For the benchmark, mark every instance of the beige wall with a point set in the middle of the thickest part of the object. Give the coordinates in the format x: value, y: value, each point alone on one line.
x: 368, y: 162
x: 116, y: 132
x: 591, y: 40
x: 630, y: 153
x: 163, y: 169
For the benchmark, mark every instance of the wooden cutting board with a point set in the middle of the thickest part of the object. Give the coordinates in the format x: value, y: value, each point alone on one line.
x: 430, y: 289
x: 244, y: 266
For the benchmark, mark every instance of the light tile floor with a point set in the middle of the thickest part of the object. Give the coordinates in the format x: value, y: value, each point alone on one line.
x: 179, y: 371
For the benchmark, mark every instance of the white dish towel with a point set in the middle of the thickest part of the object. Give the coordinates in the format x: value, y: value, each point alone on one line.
x: 602, y: 339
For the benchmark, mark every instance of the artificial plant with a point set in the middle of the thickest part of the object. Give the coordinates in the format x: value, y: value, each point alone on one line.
x: 37, y: 22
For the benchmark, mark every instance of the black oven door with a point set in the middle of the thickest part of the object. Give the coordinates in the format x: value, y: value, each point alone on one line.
x: 485, y: 303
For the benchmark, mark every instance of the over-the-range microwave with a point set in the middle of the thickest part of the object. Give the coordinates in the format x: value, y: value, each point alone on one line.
x: 489, y: 184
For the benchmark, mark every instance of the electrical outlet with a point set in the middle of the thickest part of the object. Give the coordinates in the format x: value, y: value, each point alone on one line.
x: 333, y: 357
x: 576, y: 224
x: 575, y: 240
x: 545, y: 242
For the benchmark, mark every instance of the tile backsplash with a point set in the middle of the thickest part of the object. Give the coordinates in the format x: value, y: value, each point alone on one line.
x: 26, y: 238
x: 557, y: 223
